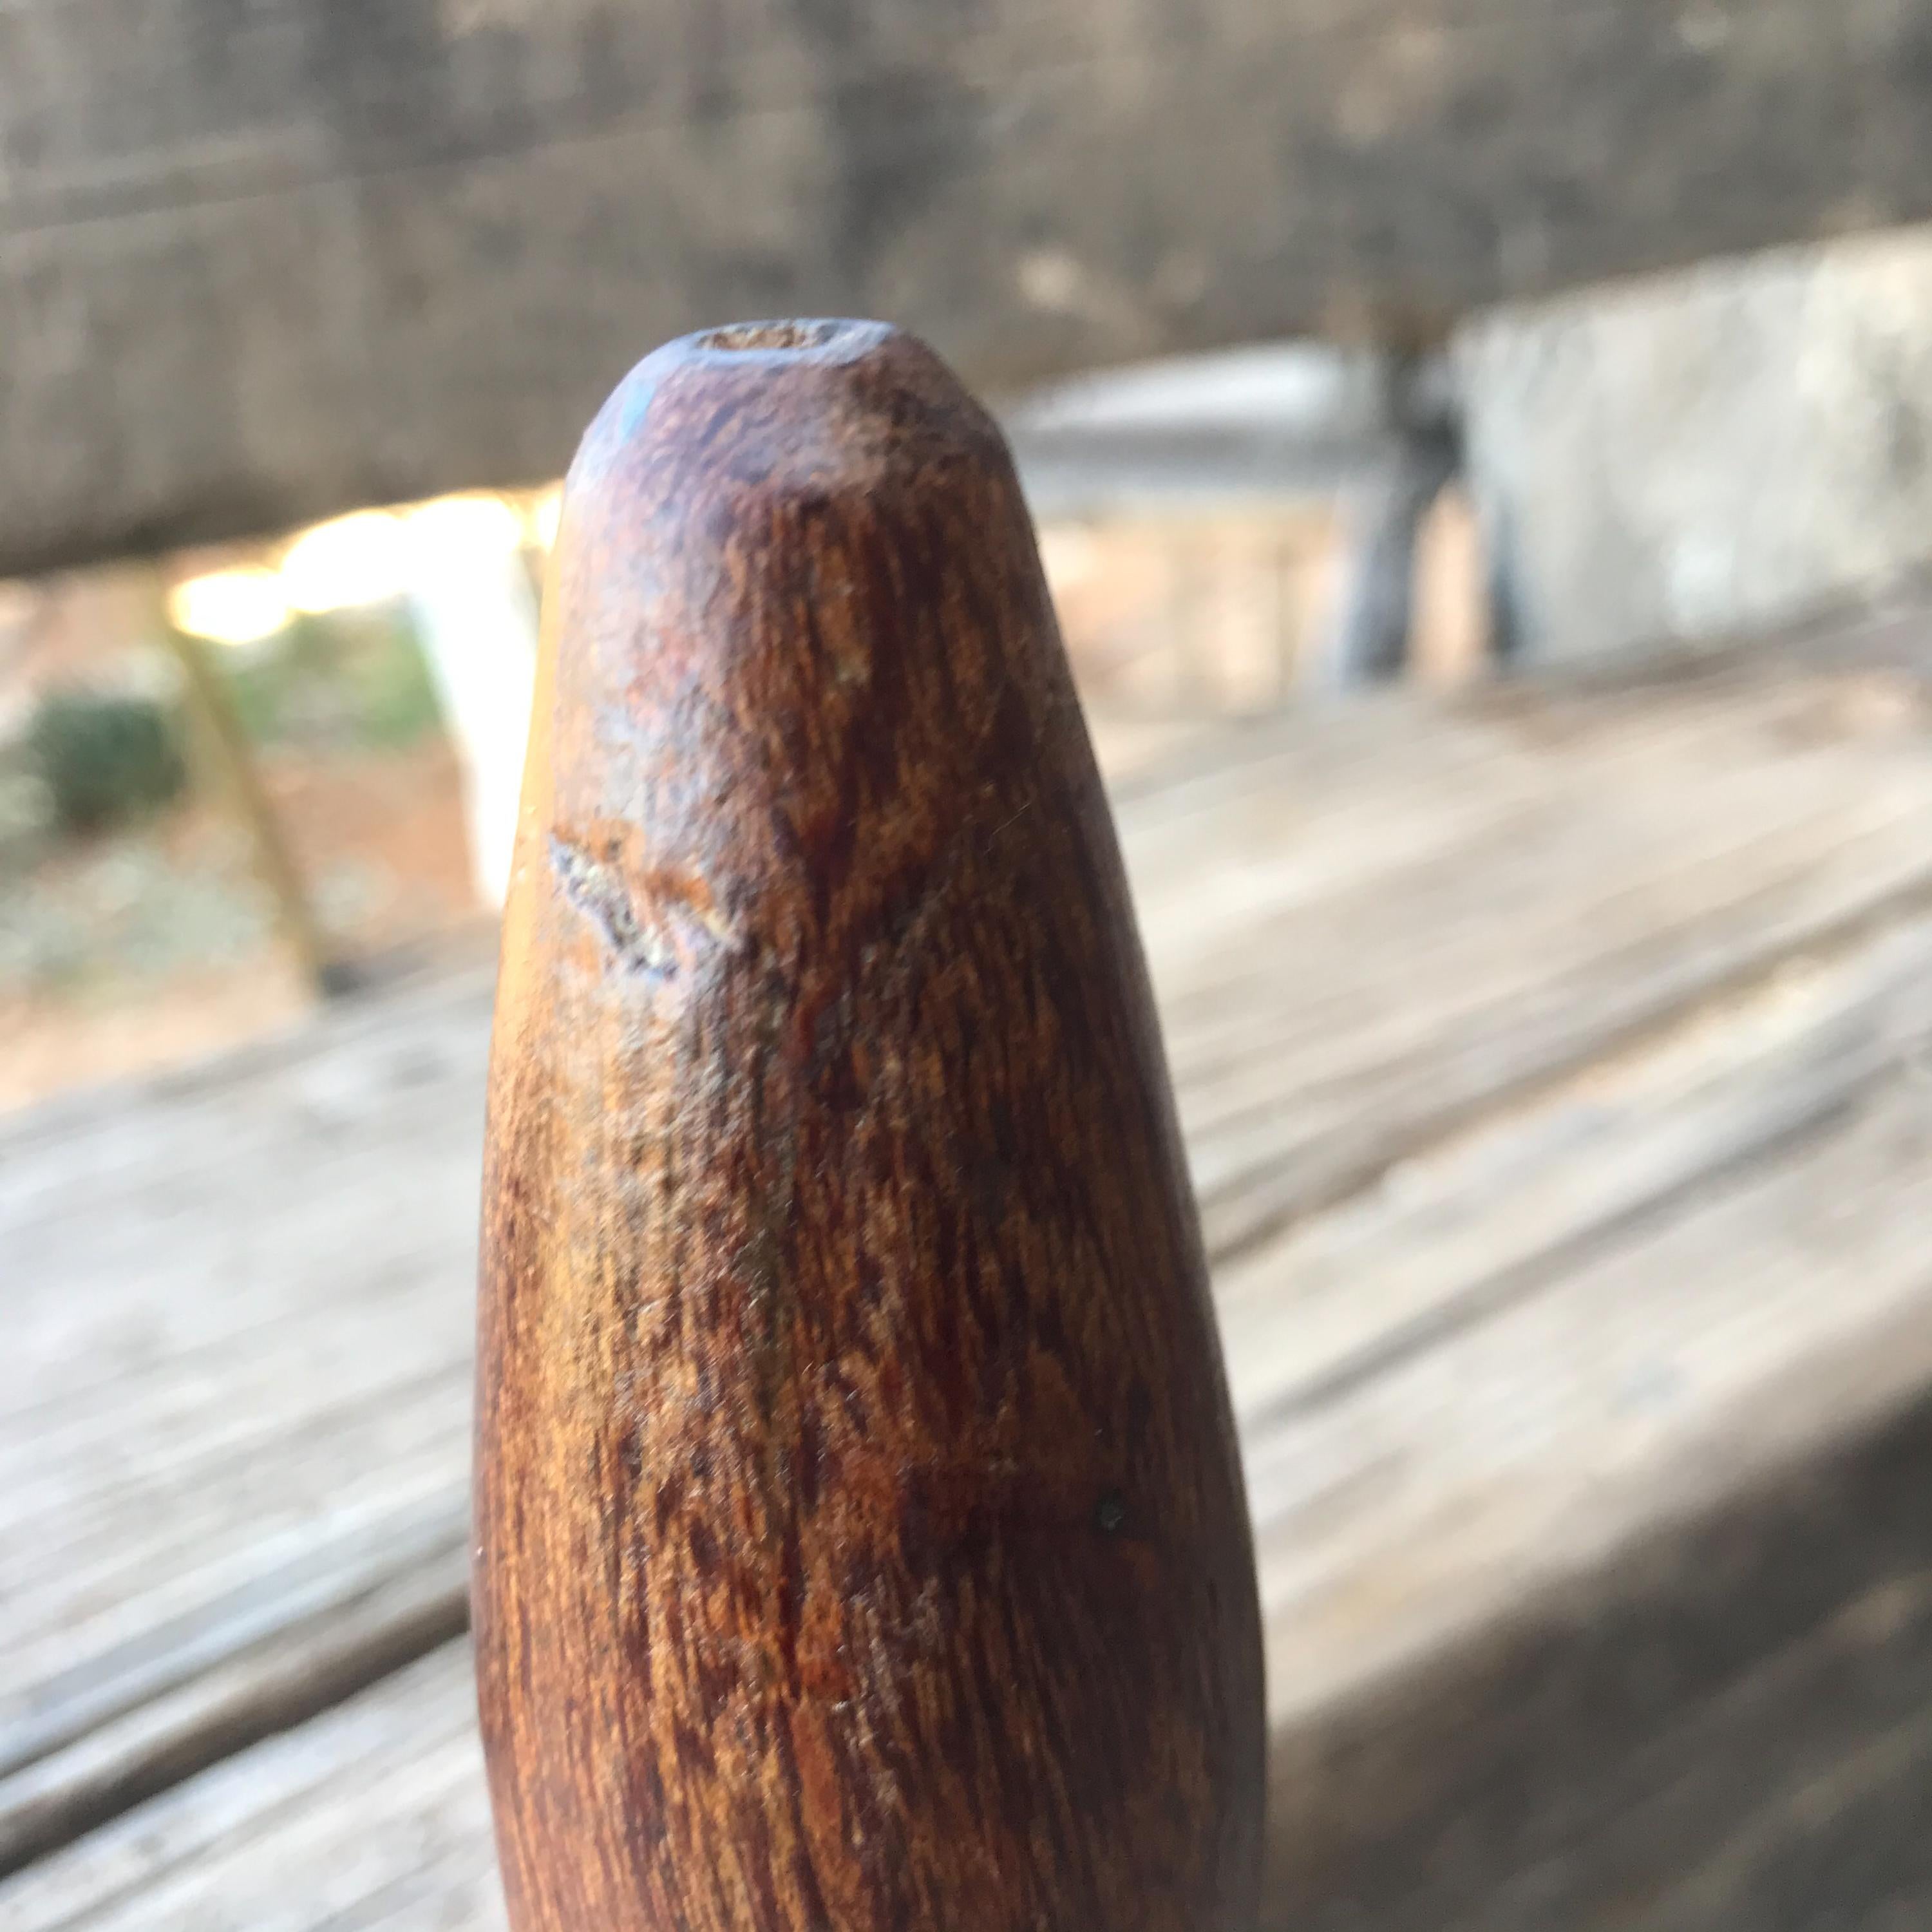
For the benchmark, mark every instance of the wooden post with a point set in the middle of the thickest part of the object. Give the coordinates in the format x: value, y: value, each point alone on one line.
x: 860, y: 1533
x: 227, y: 748
x: 1370, y: 641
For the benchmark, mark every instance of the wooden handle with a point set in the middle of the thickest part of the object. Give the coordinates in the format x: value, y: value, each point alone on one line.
x: 861, y: 1541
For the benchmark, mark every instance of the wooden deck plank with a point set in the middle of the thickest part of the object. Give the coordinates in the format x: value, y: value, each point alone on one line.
x: 1491, y: 1217
x: 316, y: 1827
x: 226, y: 1482
x: 1531, y: 1661
x: 1571, y: 872
x: 1631, y: 1389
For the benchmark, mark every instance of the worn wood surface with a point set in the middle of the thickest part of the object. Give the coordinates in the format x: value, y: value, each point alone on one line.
x: 859, y: 1522
x: 260, y: 262
x: 1582, y: 1392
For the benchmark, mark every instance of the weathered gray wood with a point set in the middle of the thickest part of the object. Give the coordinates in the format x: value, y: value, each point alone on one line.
x: 1726, y: 1729
x: 261, y: 262
x: 1517, y: 1258
x: 1458, y: 1234
x: 374, y: 1815
x: 143, y: 1498
x: 241, y: 1411
x: 374, y: 1818
x: 1543, y: 1570
x: 246, y: 1260
x: 1381, y: 928
x: 275, y: 1670
x: 1653, y: 1647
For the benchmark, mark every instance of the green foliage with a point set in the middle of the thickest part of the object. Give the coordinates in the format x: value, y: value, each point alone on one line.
x: 349, y: 677
x: 258, y: 692
x: 392, y: 682
x: 105, y: 759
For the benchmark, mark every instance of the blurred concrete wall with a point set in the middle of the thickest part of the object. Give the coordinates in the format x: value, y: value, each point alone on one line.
x: 1706, y: 453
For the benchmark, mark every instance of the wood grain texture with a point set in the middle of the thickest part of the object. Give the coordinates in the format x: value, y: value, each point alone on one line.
x: 295, y: 1228
x: 375, y: 1815
x: 233, y: 1437
x: 233, y: 1433
x: 1656, y: 1655
x: 261, y: 262
x: 860, y: 1528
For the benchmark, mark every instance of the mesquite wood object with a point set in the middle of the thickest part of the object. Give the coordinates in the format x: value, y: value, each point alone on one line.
x: 861, y: 1541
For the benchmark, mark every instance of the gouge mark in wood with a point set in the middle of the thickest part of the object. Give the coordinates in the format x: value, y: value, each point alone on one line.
x: 640, y: 928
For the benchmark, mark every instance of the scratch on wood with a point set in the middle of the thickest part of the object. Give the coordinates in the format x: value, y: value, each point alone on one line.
x: 601, y: 896
x: 638, y: 914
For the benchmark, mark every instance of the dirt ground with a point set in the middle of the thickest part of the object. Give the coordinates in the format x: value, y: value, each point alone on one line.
x: 133, y: 953
x: 155, y: 946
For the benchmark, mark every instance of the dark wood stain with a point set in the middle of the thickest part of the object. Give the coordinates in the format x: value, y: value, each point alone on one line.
x: 861, y: 1539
